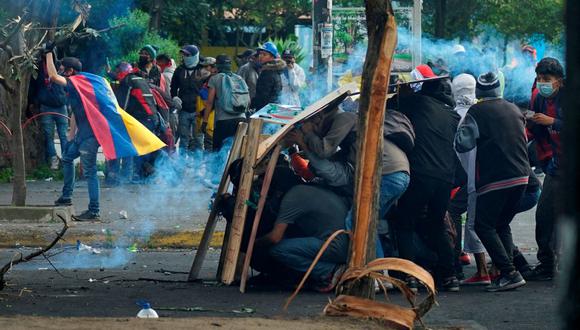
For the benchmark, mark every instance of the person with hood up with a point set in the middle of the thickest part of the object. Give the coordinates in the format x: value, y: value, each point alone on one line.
x: 496, y: 128
x: 432, y: 163
x: 186, y: 85
x: 269, y: 84
x: 464, y: 93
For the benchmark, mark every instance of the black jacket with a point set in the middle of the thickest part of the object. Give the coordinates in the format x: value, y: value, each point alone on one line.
x: 269, y: 85
x: 496, y: 127
x: 186, y: 85
x: 431, y: 111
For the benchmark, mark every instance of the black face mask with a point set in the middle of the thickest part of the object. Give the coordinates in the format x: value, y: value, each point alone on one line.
x: 143, y: 60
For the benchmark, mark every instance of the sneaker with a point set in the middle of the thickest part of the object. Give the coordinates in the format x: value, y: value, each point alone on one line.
x: 87, y: 216
x: 477, y: 280
x: 63, y: 201
x: 450, y: 284
x: 54, y: 163
x: 506, y: 282
x: 464, y: 259
x: 412, y: 284
x: 332, y: 281
x: 539, y: 273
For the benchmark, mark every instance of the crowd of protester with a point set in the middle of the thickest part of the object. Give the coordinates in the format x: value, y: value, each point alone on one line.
x: 453, y: 144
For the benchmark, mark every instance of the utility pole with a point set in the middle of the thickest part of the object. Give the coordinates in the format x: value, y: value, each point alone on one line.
x: 322, y: 41
x: 416, y: 29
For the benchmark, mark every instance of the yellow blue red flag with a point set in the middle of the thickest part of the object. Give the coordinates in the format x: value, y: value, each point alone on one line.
x: 117, y: 132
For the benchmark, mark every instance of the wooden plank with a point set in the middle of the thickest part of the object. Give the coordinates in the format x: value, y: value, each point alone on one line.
x: 375, y: 79
x: 261, y: 202
x: 212, y: 219
x: 243, y: 194
x: 320, y: 105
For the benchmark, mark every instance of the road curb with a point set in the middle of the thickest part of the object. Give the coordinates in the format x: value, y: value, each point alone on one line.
x: 160, y: 239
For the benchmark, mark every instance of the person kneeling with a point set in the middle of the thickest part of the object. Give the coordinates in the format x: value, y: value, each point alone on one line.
x: 308, y: 216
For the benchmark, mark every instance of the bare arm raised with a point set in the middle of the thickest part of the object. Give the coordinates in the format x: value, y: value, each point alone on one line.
x: 52, y: 73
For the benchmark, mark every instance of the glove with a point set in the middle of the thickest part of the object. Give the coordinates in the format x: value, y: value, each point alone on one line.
x: 204, y: 127
x: 48, y: 47
x: 177, y: 104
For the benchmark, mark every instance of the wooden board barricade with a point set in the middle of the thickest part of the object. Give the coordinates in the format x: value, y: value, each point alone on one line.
x: 212, y: 218
x: 254, y: 151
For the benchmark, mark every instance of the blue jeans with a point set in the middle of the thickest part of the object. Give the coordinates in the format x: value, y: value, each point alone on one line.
x: 298, y: 254
x: 393, y: 185
x: 87, y: 150
x: 47, y: 123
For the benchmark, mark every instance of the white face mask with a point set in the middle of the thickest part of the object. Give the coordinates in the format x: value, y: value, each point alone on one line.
x: 191, y: 61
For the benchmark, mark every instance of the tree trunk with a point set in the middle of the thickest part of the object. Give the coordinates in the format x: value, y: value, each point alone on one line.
x: 155, y: 13
x: 18, y: 102
x: 382, y: 35
x: 440, y: 14
x: 570, y: 298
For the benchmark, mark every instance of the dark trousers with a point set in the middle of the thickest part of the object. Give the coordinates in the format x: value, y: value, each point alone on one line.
x: 545, y: 221
x: 224, y: 129
x: 458, y: 206
x: 494, y: 212
x: 430, y: 196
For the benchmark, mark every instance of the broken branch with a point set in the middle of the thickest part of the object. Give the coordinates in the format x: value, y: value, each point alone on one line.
x: 7, y: 267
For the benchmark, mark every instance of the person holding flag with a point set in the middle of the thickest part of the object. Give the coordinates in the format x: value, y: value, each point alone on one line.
x: 97, y: 120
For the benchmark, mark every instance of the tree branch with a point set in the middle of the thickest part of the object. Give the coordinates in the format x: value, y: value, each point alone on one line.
x: 7, y: 267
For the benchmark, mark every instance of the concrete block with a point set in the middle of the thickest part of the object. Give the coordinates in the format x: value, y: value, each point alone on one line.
x: 36, y: 214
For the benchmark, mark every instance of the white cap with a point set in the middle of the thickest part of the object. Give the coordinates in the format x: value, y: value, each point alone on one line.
x: 458, y: 49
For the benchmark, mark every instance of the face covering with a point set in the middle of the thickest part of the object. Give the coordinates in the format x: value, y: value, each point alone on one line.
x: 545, y: 89
x: 191, y: 61
x: 143, y: 60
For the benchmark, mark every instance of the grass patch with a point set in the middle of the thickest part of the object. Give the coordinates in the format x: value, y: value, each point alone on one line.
x: 6, y: 175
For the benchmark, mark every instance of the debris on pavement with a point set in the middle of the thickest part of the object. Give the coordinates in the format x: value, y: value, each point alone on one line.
x: 88, y: 248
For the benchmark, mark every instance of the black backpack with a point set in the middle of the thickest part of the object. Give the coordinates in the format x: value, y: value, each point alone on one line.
x: 399, y: 130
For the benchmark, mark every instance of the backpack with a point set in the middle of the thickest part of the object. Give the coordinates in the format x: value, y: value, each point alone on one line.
x: 50, y: 94
x: 235, y: 95
x: 399, y: 130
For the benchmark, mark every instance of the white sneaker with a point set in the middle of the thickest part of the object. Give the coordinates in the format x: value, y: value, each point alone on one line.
x: 54, y: 162
x: 387, y: 285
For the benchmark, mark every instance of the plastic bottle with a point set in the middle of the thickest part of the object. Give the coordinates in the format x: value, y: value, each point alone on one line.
x: 147, y: 312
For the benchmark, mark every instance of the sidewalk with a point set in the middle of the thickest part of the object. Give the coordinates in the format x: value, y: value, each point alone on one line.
x: 157, y: 216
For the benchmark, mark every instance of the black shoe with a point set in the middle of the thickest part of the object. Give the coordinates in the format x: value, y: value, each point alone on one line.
x: 63, y: 201
x: 450, y: 284
x: 506, y: 282
x: 412, y: 284
x: 87, y: 216
x: 539, y: 273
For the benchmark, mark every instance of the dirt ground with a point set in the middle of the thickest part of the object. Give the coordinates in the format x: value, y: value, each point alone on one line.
x: 320, y: 323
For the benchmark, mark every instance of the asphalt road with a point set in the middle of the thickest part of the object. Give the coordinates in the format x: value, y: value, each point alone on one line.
x: 87, y: 285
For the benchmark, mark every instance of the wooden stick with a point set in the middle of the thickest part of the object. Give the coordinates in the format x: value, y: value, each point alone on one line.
x: 212, y: 219
x: 261, y: 203
x: 382, y: 31
x: 243, y: 195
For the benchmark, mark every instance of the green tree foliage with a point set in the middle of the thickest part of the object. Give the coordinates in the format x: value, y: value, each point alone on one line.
x: 513, y: 19
x: 524, y: 19
x: 125, y: 42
